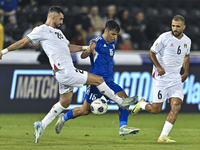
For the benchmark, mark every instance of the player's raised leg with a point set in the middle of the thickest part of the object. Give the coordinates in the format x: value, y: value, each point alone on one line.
x: 105, y: 90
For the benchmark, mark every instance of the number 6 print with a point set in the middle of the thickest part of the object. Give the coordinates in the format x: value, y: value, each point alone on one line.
x: 159, y: 95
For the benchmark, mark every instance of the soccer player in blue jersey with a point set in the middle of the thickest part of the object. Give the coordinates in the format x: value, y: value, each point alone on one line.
x: 102, y: 66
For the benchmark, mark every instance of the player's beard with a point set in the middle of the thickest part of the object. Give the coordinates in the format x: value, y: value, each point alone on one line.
x: 57, y: 25
x: 178, y: 33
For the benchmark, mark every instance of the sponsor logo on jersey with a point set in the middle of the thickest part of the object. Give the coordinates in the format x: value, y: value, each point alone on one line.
x: 172, y: 45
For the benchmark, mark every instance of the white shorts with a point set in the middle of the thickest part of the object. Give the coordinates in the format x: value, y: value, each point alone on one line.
x: 70, y: 78
x: 166, y: 91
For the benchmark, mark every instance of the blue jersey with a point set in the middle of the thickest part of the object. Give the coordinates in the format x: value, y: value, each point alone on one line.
x: 8, y: 6
x: 103, y: 64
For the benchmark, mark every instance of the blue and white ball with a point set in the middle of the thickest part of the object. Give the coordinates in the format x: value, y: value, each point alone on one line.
x: 99, y: 107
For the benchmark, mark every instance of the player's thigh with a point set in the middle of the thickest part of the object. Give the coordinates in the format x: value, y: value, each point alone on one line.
x: 72, y: 77
x: 160, y: 94
x: 94, y: 79
x: 176, y: 91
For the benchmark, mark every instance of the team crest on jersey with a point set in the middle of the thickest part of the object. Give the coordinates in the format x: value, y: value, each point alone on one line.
x: 185, y: 45
x: 104, y: 45
x: 50, y: 31
x: 172, y: 45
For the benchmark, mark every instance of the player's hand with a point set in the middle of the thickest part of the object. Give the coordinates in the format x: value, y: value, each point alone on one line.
x: 161, y: 71
x: 93, y: 44
x: 184, y: 77
x: 1, y: 55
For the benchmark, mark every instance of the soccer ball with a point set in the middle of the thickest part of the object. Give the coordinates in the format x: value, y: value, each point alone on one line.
x: 99, y: 107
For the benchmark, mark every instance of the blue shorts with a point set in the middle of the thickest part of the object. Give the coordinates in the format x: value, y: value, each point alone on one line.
x: 93, y: 93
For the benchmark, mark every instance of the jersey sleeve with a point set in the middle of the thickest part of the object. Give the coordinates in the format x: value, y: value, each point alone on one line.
x: 36, y: 35
x: 189, y: 47
x: 157, y: 45
x: 97, y: 44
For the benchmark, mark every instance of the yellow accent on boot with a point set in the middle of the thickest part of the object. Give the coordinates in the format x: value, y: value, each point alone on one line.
x: 165, y: 139
x: 137, y: 108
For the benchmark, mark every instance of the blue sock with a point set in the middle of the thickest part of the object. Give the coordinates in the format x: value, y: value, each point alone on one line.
x: 68, y: 115
x: 123, y: 118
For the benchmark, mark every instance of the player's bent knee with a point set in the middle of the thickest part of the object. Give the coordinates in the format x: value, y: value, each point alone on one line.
x: 100, y: 79
x: 64, y: 104
x: 177, y: 108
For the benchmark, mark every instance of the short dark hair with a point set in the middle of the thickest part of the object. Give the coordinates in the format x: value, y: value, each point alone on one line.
x: 112, y: 25
x: 56, y: 9
x: 179, y: 18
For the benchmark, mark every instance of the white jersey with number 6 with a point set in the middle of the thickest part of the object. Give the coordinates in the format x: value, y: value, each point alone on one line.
x: 170, y: 52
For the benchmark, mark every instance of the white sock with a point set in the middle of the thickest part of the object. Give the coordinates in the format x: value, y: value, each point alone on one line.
x: 143, y: 104
x: 166, y: 129
x: 105, y: 90
x: 55, y: 110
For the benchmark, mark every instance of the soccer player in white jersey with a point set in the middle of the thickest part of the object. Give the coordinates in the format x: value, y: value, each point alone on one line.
x: 169, y: 53
x: 58, y: 49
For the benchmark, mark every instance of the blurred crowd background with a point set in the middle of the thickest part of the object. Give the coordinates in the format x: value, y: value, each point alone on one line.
x: 141, y: 21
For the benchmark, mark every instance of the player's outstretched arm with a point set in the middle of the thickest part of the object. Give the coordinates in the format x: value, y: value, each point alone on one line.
x: 17, y: 45
x: 87, y: 53
x: 76, y: 48
x: 186, y: 68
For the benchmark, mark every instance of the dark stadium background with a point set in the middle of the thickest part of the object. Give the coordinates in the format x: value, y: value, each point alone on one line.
x: 157, y: 12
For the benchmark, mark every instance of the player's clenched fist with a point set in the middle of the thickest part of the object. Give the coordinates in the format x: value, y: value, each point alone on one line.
x: 161, y: 71
x: 93, y: 44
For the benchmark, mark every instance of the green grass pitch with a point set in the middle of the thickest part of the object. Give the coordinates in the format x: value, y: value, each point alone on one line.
x: 99, y: 133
